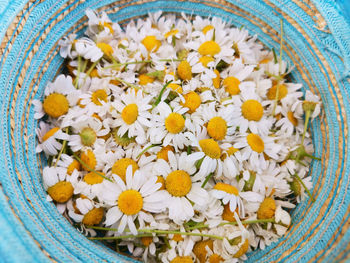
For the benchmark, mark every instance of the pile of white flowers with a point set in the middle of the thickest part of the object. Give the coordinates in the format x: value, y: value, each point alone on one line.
x: 179, y: 139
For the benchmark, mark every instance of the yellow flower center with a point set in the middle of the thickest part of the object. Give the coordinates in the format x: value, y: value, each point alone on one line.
x: 130, y: 113
x: 210, y: 148
x: 163, y: 153
x: 120, y: 166
x: 199, y: 249
x: 174, y: 123
x: 160, y: 179
x: 146, y: 241
x: 99, y: 95
x: 230, y: 151
x: 151, y: 43
x: 75, y: 165
x: 50, y: 133
x: 217, y: 128
x: 177, y: 238
x: 87, y: 136
x: 265, y: 61
x: 292, y: 119
x: 210, y: 48
x: 172, y: 32
x: 61, y: 192
x: 178, y: 183
x: 55, y: 105
x: 215, y: 258
x: 184, y: 70
x: 227, y: 214
x: 179, y: 259
x: 282, y: 92
x: 106, y: 48
x: 93, y: 217
x: 144, y: 79
x: 242, y: 250
x: 267, y: 209
x: 93, y: 178
x: 175, y: 87
x: 207, y: 28
x: 108, y: 25
x: 192, y: 101
x: 230, y: 189
x: 130, y: 202
x: 217, y: 80
x: 89, y: 160
x: 205, y: 60
x: 231, y: 85
x: 255, y: 142
x: 94, y: 73
x: 114, y: 82
x: 252, y: 110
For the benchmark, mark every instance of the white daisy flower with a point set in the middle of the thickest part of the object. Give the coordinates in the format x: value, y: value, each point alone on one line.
x: 48, y: 137
x: 289, y: 123
x: 132, y: 115
x: 86, y: 134
x: 59, y: 96
x: 253, y: 147
x: 66, y: 44
x: 85, y: 211
x: 59, y: 185
x: 182, y: 188
x: 133, y: 199
x: 168, y: 126
x: 88, y: 49
x: 249, y: 110
x: 208, y: 153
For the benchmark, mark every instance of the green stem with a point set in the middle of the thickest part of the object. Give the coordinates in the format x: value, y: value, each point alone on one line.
x: 161, y: 94
x: 166, y: 232
x: 307, y: 118
x: 146, y: 149
x: 247, y: 222
x: 199, y: 163
x: 89, y: 168
x: 274, y: 55
x: 119, y: 237
x: 159, y: 232
x: 78, y: 74
x: 62, y: 149
x: 306, y: 189
x: 189, y: 149
x: 91, y: 68
x: 207, y: 179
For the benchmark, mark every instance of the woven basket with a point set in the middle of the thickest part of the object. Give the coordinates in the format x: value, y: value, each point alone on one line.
x: 317, y: 43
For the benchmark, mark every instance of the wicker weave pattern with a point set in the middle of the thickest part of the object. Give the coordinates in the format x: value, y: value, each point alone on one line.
x: 316, y: 37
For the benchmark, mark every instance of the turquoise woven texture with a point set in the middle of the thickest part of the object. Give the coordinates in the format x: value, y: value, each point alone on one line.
x: 318, y: 44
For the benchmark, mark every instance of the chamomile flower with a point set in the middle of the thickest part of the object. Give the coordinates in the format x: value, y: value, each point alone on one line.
x: 182, y: 188
x: 289, y: 123
x: 219, y: 121
x: 86, y: 134
x: 59, y: 96
x: 168, y: 126
x: 59, y: 185
x: 133, y: 199
x: 253, y: 147
x: 86, y: 212
x: 66, y: 44
x: 249, y: 112
x: 48, y: 137
x: 208, y: 153
x: 132, y: 115
x: 88, y: 49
